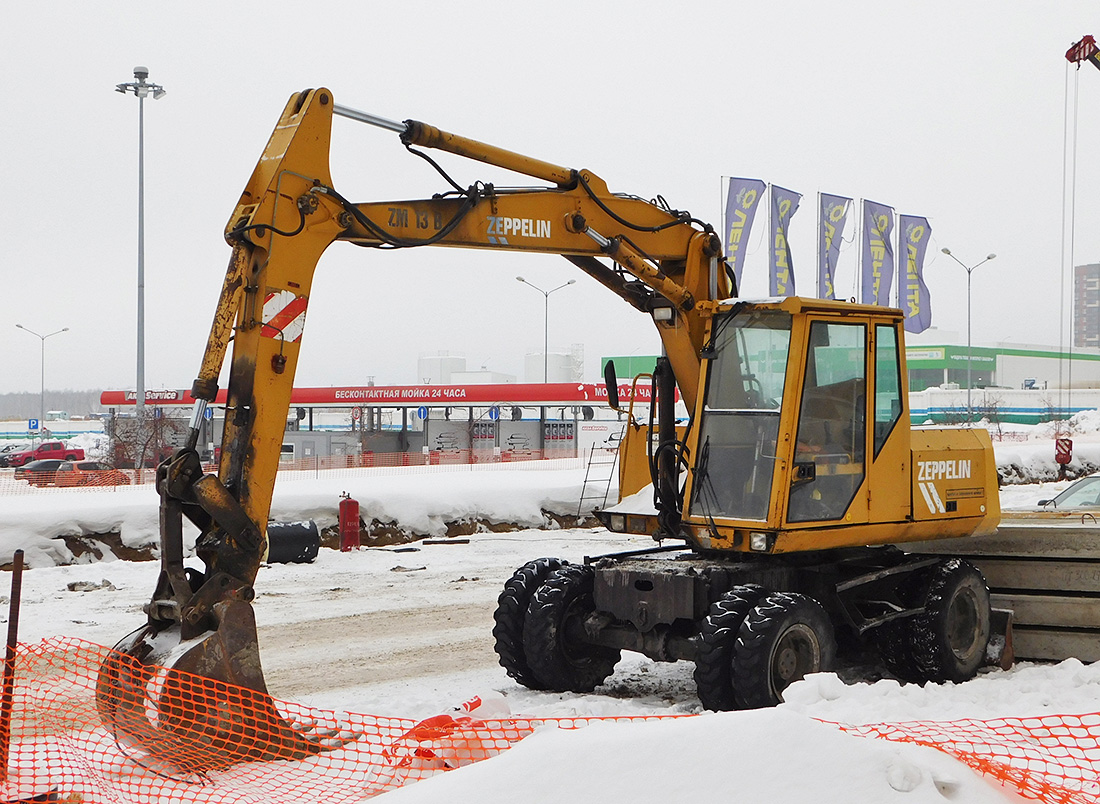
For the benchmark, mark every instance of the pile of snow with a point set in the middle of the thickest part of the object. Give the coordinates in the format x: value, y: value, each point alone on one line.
x: 1025, y: 453
x: 760, y: 756
x: 421, y: 500
x: 424, y: 500
x: 422, y: 503
x: 96, y: 446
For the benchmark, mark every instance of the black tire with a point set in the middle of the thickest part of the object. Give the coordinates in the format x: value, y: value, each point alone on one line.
x: 784, y: 638
x: 894, y: 644
x: 558, y: 662
x: 894, y: 640
x: 511, y: 613
x: 949, y: 638
x: 717, y: 635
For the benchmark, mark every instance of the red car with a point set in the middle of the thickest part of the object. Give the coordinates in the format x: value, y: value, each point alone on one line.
x: 89, y: 473
x: 47, y: 450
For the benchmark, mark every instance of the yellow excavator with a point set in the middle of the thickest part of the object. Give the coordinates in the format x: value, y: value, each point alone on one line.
x: 775, y: 508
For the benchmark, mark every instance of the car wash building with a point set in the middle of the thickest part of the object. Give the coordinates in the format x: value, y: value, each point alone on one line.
x: 434, y: 423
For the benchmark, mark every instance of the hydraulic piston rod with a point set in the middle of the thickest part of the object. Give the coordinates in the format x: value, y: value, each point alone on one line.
x: 413, y: 132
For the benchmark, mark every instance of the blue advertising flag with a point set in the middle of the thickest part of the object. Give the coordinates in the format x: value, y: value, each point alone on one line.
x: 832, y: 214
x: 741, y: 202
x: 878, y: 253
x: 781, y: 273
x: 914, y: 301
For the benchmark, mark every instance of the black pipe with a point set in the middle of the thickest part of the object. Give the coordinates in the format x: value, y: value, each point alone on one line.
x: 7, y: 697
x: 668, y: 487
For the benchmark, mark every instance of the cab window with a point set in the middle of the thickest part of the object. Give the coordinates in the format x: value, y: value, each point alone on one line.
x: 740, y: 422
x: 887, y: 384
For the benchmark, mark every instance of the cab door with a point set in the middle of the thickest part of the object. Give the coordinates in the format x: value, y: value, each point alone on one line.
x: 829, y: 462
x: 888, y: 481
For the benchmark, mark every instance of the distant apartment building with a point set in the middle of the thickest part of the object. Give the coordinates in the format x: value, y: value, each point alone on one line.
x: 1086, y: 305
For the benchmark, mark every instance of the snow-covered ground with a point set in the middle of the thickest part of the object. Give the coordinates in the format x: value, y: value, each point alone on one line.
x: 408, y: 633
x: 405, y: 630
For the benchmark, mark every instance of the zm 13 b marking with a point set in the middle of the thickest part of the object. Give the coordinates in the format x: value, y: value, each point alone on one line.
x: 400, y: 217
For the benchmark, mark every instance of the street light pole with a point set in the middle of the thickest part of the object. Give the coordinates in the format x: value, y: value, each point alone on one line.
x: 142, y: 89
x: 42, y: 392
x: 545, y: 319
x: 969, y: 271
x: 545, y: 348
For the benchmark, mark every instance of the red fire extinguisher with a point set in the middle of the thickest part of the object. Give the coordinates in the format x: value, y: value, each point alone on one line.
x: 349, y: 523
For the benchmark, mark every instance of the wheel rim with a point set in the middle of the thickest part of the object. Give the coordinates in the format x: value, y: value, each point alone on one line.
x: 572, y: 618
x: 796, y: 653
x: 963, y: 624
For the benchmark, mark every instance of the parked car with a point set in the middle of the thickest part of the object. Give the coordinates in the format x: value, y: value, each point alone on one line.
x: 46, y: 450
x: 89, y: 473
x: 39, y: 473
x: 1085, y: 493
x: 10, y: 449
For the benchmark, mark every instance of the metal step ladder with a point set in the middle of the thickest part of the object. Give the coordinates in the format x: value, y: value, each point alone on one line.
x: 603, y: 463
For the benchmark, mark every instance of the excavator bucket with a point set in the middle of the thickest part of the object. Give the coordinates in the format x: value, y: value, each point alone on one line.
x: 186, y: 690
x: 201, y: 704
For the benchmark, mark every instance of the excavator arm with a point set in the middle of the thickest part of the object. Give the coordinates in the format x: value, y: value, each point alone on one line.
x: 201, y: 624
x: 661, y: 262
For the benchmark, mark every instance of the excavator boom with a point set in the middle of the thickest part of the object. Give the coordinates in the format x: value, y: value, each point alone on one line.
x: 200, y: 623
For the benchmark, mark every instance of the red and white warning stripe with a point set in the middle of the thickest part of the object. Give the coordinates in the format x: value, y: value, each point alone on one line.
x: 286, y: 313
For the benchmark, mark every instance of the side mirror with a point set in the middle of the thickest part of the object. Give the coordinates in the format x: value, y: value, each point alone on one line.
x: 1045, y: 503
x: 612, y: 383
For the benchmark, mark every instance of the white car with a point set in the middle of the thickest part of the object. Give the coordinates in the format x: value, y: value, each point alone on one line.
x: 9, y: 449
x: 1085, y: 493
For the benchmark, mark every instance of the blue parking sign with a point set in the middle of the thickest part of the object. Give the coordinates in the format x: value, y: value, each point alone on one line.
x: 32, y: 424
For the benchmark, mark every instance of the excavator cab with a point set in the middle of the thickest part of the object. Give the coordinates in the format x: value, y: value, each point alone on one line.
x: 803, y: 409
x: 742, y: 411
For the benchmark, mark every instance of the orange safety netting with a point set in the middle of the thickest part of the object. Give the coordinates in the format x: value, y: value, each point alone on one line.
x: 179, y: 738
x: 1052, y: 758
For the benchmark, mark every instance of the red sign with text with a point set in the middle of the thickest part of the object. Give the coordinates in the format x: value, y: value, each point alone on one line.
x: 415, y: 395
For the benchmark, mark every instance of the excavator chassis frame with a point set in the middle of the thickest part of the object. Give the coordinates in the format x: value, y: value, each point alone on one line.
x: 652, y: 605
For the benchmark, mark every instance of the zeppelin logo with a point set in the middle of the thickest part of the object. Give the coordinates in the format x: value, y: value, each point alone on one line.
x: 928, y: 471
x: 284, y: 316
x: 943, y: 470
x: 501, y: 228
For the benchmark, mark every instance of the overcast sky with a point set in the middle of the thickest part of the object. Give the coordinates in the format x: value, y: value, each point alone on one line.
x: 951, y: 110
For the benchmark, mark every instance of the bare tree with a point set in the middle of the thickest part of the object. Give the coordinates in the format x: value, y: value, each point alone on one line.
x: 145, y: 441
x: 1058, y: 427
x: 990, y: 411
